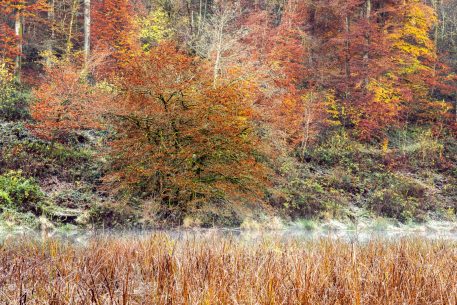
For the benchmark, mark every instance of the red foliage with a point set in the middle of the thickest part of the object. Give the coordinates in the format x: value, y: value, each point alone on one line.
x: 111, y: 31
x: 65, y: 103
x: 286, y: 78
x: 179, y: 138
x: 8, y: 44
x: 9, y: 9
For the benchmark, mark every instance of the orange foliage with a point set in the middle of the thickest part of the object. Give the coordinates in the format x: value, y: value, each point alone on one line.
x: 8, y: 44
x: 179, y: 138
x: 64, y: 102
x: 112, y: 32
x: 288, y: 97
x: 8, y: 11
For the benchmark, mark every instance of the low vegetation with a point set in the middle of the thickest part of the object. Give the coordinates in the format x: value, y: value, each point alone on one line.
x: 340, y: 178
x: 213, y: 269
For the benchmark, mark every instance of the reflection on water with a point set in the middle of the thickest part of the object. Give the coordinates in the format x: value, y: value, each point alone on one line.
x: 83, y: 237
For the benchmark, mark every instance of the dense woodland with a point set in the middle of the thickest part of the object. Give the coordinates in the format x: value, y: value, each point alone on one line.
x: 206, y: 112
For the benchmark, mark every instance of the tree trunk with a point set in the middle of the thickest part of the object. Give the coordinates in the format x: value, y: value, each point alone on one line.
x: 219, y: 37
x: 86, y: 31
x: 200, y: 13
x: 347, y: 67
x: 436, y: 4
x: 74, y: 10
x: 366, y: 55
x: 51, y: 19
x: 19, y: 30
x: 217, y: 62
x: 307, y: 118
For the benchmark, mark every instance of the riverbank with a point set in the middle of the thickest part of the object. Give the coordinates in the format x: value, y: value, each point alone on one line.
x: 47, y: 185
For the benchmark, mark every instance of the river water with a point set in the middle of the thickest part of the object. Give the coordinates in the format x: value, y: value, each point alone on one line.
x: 83, y: 237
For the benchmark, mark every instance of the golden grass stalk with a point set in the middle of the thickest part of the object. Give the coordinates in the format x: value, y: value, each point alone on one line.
x: 215, y: 269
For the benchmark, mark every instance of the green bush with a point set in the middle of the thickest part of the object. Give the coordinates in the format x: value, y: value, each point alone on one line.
x: 389, y: 203
x: 336, y: 149
x: 344, y: 180
x: 20, y: 150
x: 12, y: 219
x: 20, y: 193
x: 403, y: 199
x: 306, y: 224
x: 304, y: 198
x: 419, y: 146
x: 14, y: 100
x: 73, y: 198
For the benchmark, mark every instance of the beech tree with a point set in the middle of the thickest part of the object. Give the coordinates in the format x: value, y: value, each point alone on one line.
x: 178, y: 137
x: 87, y: 22
x: 184, y: 120
x: 290, y: 97
x: 8, y: 45
x: 65, y: 103
x: 112, y: 24
x: 415, y: 61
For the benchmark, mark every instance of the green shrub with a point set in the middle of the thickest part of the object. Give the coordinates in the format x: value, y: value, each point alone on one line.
x: 20, y: 150
x: 403, y: 199
x: 306, y: 224
x: 11, y: 219
x: 337, y: 149
x: 304, y: 198
x: 5, y: 199
x: 20, y: 193
x: 73, y: 198
x: 420, y: 146
x: 341, y: 179
x: 14, y: 101
x: 389, y: 203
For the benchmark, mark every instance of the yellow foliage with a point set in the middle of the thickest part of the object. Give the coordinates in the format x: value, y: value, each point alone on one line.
x: 412, y: 36
x: 49, y: 58
x: 332, y: 109
x: 385, y: 145
x: 154, y: 28
x: 384, y: 91
x: 5, y: 75
x: 6, y: 82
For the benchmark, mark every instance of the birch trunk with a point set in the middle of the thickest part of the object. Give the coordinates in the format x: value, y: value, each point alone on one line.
x: 435, y: 4
x: 19, y: 30
x: 51, y: 19
x: 217, y: 62
x: 86, y: 31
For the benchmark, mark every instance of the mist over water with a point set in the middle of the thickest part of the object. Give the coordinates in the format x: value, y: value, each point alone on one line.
x: 235, y: 235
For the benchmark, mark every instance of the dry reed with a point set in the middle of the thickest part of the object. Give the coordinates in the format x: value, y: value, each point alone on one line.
x: 215, y: 269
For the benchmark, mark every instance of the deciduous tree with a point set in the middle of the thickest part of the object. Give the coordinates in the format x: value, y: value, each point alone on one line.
x: 65, y: 102
x: 178, y: 137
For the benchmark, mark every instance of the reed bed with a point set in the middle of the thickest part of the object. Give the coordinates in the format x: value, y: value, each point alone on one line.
x: 215, y: 269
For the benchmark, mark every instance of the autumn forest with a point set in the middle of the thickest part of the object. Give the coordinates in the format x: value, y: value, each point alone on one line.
x: 201, y: 113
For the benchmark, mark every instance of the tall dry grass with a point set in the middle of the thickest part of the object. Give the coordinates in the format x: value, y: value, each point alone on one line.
x: 224, y: 270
